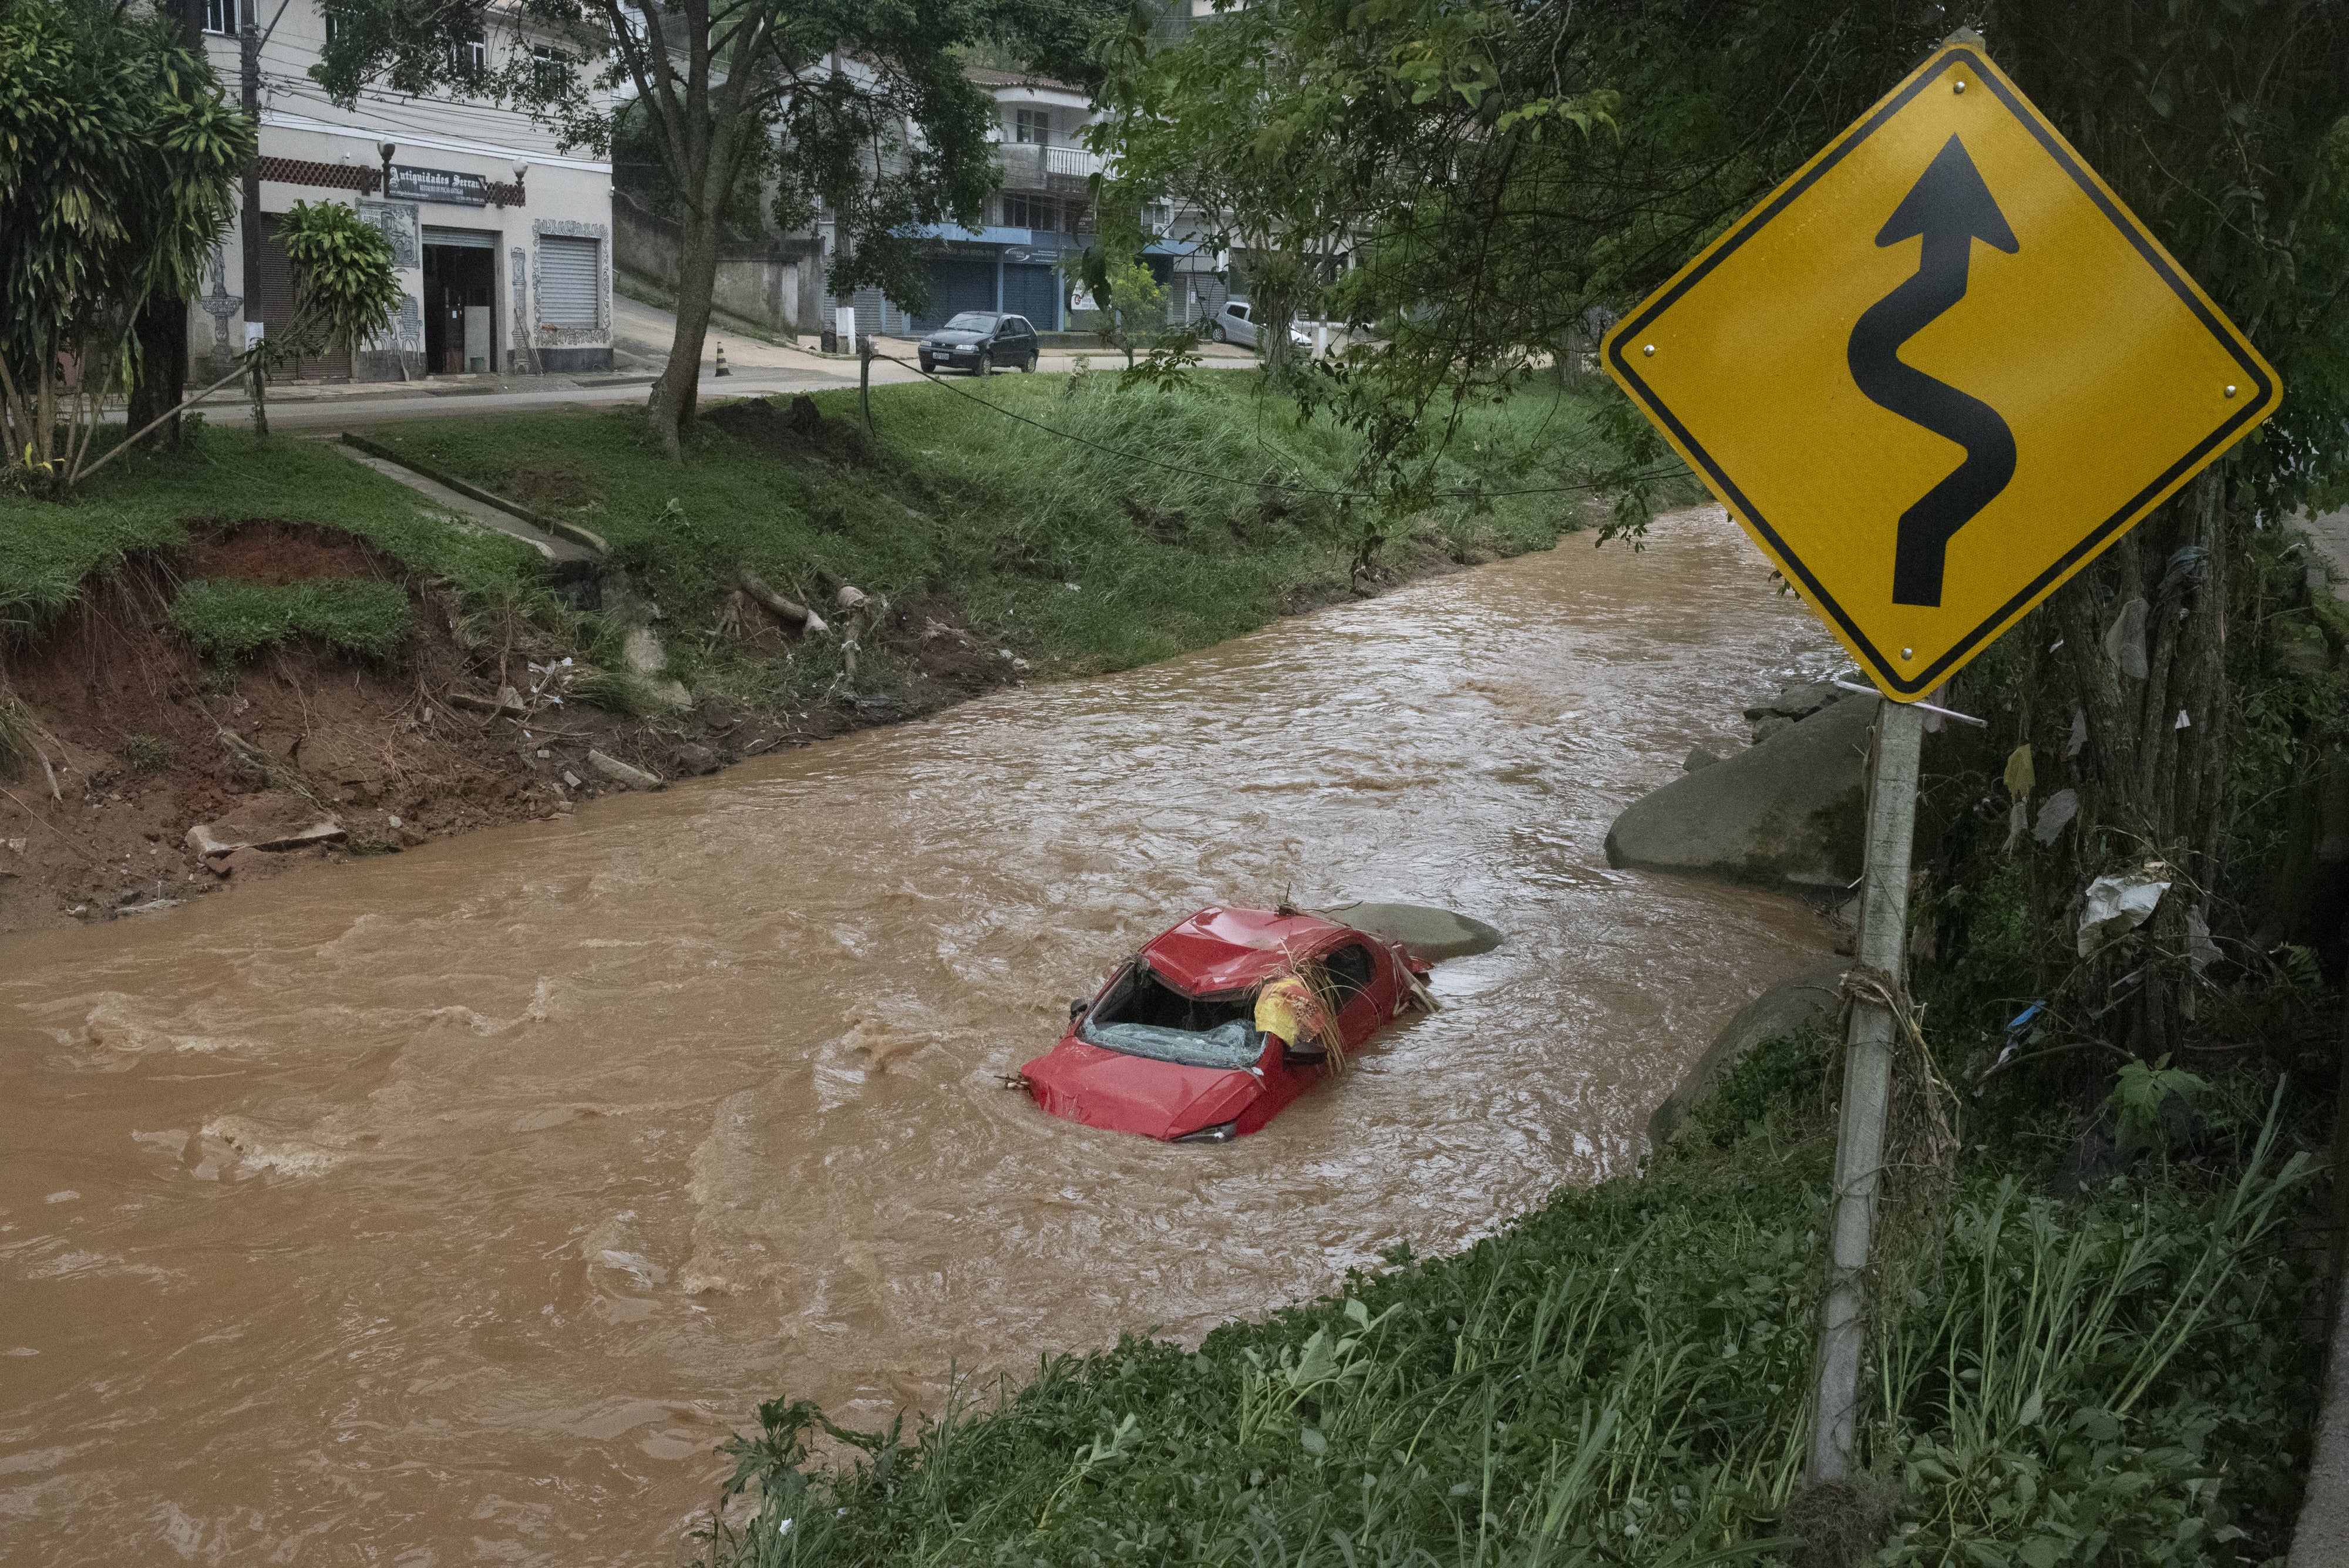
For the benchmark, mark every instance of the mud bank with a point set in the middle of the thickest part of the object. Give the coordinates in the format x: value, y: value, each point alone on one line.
x: 130, y: 739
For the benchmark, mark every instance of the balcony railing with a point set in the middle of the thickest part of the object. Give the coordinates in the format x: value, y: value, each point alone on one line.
x: 1028, y: 166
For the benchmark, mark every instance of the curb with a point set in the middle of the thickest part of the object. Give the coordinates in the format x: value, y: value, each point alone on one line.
x: 571, y: 531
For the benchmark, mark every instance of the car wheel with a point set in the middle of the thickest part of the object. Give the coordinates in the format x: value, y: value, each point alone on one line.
x: 1027, y: 366
x: 1222, y: 335
x: 987, y: 364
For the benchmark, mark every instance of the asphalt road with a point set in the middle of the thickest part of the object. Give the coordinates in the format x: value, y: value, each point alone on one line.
x: 641, y: 335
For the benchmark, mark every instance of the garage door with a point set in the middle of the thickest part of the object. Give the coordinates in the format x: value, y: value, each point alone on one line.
x: 956, y: 283
x: 570, y: 277
x: 1033, y: 292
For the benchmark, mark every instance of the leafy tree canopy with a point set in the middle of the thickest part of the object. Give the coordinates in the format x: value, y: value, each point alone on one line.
x: 118, y: 156
x: 859, y: 108
x: 1500, y: 176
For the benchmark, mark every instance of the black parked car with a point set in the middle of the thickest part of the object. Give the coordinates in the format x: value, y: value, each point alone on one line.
x: 982, y: 342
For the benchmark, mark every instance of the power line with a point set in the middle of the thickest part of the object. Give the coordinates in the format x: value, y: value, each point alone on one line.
x: 1252, y: 484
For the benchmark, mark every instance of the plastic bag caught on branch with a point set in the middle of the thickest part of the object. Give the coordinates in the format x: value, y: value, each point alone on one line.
x: 2118, y: 905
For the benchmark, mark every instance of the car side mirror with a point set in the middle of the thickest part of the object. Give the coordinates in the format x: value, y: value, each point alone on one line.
x: 1078, y: 1008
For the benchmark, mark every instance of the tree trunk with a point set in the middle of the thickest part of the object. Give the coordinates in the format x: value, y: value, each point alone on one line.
x: 162, y: 331
x: 672, y: 404
x: 2150, y: 789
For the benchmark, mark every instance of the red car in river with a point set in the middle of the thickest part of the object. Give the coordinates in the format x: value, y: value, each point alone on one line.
x: 1170, y: 1047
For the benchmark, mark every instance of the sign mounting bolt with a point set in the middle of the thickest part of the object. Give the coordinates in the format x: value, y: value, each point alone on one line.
x: 1907, y: 653
x: 1956, y: 86
x: 2230, y: 389
x: 1649, y: 350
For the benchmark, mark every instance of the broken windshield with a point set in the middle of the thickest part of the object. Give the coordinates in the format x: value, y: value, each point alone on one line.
x: 1141, y: 1015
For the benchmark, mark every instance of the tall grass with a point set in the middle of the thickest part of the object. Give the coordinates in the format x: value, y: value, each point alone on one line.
x: 2074, y: 1383
x: 1621, y: 1377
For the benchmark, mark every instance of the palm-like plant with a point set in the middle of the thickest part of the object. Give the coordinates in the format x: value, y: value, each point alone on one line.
x: 118, y: 156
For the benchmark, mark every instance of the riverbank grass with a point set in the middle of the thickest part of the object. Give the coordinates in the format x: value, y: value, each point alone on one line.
x: 1052, y: 520
x: 1077, y: 526
x: 1621, y: 1377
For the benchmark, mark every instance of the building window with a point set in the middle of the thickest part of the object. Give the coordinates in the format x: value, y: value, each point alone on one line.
x: 467, y: 58
x: 550, y: 69
x: 1025, y: 212
x: 1032, y: 125
x: 220, y: 16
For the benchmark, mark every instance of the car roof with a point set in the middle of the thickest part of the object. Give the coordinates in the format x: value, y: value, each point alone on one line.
x: 1220, y: 948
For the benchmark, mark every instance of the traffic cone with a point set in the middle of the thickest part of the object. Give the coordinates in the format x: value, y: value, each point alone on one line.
x: 721, y: 361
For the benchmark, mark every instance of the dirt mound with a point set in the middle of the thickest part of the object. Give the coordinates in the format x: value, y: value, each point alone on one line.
x: 279, y: 552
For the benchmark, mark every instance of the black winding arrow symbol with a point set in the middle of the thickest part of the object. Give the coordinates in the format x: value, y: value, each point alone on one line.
x: 1951, y: 208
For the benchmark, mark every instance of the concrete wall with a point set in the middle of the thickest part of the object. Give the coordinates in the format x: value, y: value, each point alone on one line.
x: 776, y: 285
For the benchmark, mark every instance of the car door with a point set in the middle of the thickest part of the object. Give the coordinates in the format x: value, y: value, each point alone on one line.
x: 1024, y: 339
x: 1365, y: 990
x: 1238, y: 327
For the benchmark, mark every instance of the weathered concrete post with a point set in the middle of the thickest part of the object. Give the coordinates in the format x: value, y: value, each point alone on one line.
x: 1866, y: 1086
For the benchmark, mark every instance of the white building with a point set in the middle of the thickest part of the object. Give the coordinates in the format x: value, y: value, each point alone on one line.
x: 1024, y: 259
x: 502, y: 242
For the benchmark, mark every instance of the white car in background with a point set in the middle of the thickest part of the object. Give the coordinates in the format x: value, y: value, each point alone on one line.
x: 1236, y: 323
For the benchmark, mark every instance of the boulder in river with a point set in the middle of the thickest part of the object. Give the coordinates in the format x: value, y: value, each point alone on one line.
x: 1799, y: 1000
x: 1792, y: 809
x: 623, y: 773
x: 1432, y: 934
x: 275, y: 820
x: 1797, y: 702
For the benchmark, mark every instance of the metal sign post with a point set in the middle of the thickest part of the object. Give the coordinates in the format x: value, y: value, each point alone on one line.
x: 1867, y: 1085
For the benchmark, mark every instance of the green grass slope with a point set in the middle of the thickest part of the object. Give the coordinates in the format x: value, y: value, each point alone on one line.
x: 1098, y: 530
x: 48, y: 549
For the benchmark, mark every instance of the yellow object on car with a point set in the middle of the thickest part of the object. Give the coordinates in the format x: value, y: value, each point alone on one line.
x: 1290, y: 1008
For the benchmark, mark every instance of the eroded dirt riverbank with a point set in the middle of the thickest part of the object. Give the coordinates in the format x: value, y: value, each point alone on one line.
x: 449, y: 1207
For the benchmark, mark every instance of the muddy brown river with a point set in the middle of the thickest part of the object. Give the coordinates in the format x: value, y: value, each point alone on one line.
x: 449, y: 1208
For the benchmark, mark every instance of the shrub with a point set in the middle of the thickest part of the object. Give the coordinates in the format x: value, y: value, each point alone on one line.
x: 148, y: 753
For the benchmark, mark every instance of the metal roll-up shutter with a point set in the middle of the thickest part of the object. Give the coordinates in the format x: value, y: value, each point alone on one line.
x: 1035, y: 293
x: 570, y: 277
x: 957, y: 284
x: 878, y: 316
x: 470, y: 239
x: 278, y: 312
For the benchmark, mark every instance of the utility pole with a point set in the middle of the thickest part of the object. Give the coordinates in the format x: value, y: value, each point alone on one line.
x: 248, y: 39
x: 1867, y: 1085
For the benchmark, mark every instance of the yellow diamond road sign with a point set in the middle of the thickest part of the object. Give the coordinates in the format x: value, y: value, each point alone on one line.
x: 1938, y: 371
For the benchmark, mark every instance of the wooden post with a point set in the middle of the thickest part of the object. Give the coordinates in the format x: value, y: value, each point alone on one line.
x: 864, y: 377
x: 1867, y: 1087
